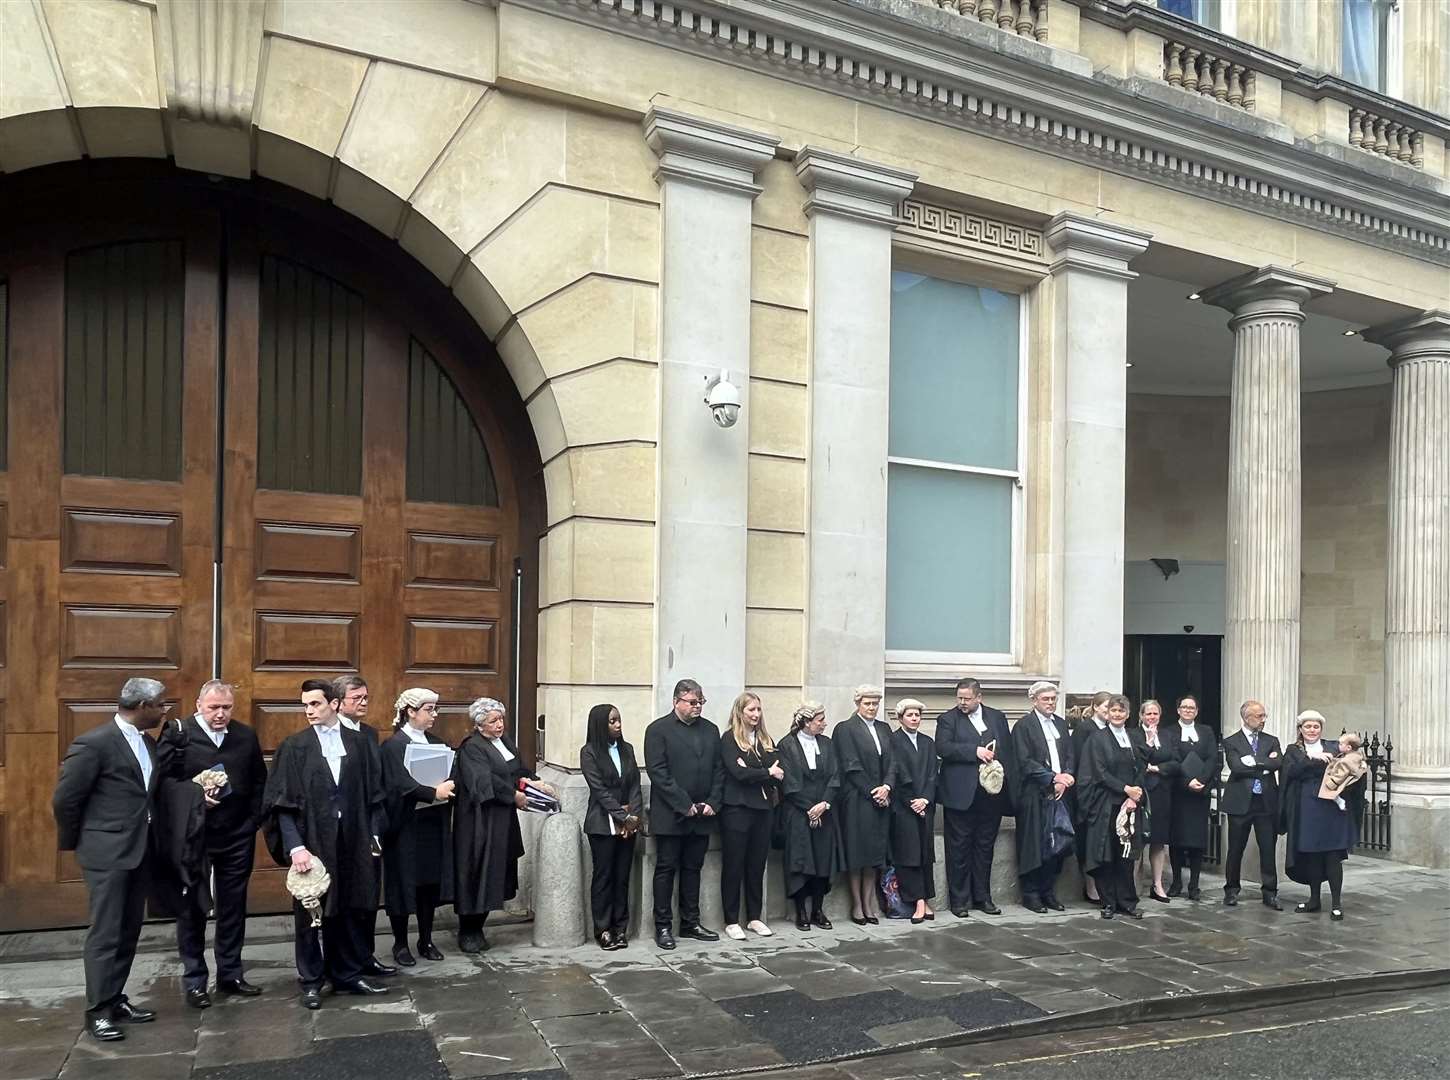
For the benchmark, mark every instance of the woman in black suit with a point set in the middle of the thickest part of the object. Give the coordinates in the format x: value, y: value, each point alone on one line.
x: 810, y: 789
x: 1195, y: 753
x: 1319, y: 833
x: 487, y: 841
x: 752, y: 790
x: 1110, y: 779
x: 913, y: 809
x: 865, y: 747
x: 611, y: 823
x: 418, y: 846
x: 1158, y: 783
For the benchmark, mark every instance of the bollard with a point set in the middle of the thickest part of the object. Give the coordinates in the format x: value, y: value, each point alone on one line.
x: 559, y: 916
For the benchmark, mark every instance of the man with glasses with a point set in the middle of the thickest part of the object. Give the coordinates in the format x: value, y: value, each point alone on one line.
x: 968, y: 737
x: 687, y: 782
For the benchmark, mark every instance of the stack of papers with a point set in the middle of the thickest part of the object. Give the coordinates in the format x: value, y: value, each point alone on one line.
x: 428, y: 763
x: 539, y: 802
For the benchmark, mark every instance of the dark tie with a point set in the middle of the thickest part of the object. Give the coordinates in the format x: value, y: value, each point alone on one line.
x: 1254, y: 746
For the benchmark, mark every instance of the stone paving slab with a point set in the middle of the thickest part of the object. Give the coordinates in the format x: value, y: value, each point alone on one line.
x: 519, y: 1013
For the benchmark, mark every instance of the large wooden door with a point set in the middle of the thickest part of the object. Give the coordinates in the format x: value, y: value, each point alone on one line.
x: 232, y: 446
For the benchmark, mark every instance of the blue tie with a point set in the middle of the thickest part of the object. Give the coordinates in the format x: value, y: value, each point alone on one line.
x: 1254, y: 746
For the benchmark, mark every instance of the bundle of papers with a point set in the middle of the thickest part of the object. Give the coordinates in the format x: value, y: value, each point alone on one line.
x: 428, y: 763
x: 539, y: 801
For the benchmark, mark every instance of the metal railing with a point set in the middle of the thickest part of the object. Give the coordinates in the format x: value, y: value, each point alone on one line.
x: 1375, y: 827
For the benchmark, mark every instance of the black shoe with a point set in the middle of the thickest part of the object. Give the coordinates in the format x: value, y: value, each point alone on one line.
x: 1336, y: 915
x: 1108, y: 912
x: 1306, y: 908
x: 428, y: 951
x: 312, y: 999
x: 403, y: 957
x: 1054, y: 903
x: 1175, y: 888
x: 238, y: 986
x: 374, y: 966
x: 360, y: 987
x: 1271, y: 900
x: 198, y: 998
x: 664, y: 939
x: 472, y: 943
x: 1194, y: 894
x: 858, y: 922
x: 801, y: 921
x: 962, y: 913
x: 605, y: 940
x: 819, y: 918
x: 621, y: 938
x: 1230, y: 898
x: 125, y: 1013
x: 986, y: 907
x: 1162, y: 898
x: 917, y: 920
x: 1032, y: 903
x: 873, y: 920
x: 699, y: 933
x: 1132, y: 913
x: 103, y: 1028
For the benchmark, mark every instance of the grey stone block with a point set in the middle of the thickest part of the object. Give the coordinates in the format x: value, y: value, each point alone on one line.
x: 558, y: 870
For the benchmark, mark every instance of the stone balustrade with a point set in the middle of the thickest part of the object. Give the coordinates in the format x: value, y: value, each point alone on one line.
x: 1025, y: 18
x: 1200, y: 72
x: 1387, y: 138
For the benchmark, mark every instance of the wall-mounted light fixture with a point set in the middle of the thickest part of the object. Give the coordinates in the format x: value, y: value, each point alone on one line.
x: 723, y: 399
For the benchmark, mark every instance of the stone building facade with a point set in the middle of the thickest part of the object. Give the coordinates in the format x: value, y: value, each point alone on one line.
x: 1018, y: 295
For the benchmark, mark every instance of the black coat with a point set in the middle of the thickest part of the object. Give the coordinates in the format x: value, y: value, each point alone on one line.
x: 1300, y: 801
x: 683, y: 761
x: 748, y: 782
x: 1106, y: 770
x: 1191, y: 808
x: 487, y: 841
x: 1084, y: 729
x: 956, y: 744
x: 1238, y: 793
x: 301, y: 805
x: 183, y: 750
x: 809, y: 853
x: 1034, y: 784
x: 614, y: 794
x: 418, y: 847
x: 1159, y: 786
x: 865, y: 827
x: 913, y: 777
x: 101, y: 807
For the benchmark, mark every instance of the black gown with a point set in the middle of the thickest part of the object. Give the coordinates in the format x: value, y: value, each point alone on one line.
x: 487, y: 841
x: 1190, y: 809
x: 1034, y: 786
x: 1159, y: 786
x: 418, y: 847
x: 812, y: 856
x: 1107, y: 770
x: 1315, y: 829
x: 913, y: 847
x: 865, y: 827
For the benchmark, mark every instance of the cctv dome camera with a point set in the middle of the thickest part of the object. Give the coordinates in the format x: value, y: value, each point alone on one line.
x: 723, y: 398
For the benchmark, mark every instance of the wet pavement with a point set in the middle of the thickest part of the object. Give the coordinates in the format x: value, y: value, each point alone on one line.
x: 788, y: 1000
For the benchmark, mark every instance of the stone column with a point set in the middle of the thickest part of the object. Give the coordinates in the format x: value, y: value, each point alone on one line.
x: 1261, y: 643
x: 707, y: 182
x: 1089, y: 306
x: 852, y: 206
x: 1417, y: 613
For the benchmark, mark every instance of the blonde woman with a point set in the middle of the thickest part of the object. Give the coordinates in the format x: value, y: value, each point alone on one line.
x: 752, y: 789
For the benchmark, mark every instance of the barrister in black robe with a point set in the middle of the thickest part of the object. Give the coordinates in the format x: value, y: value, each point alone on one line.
x: 1111, y: 775
x: 1092, y: 719
x: 1318, y: 833
x: 487, y: 841
x: 323, y: 798
x: 1046, y: 775
x: 864, y: 744
x: 352, y: 709
x: 913, y: 809
x: 1158, y: 782
x: 418, y: 847
x: 969, y: 736
x: 809, y: 824
x: 211, y: 739
x: 1195, y: 750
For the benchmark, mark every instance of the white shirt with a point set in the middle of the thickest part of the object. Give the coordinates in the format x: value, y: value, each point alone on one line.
x: 1121, y: 734
x: 1101, y: 724
x: 809, y: 747
x: 871, y: 730
x: 975, y: 716
x: 414, y: 735
x: 1187, y: 731
x: 214, y: 736
x: 912, y: 736
x: 330, y: 739
x: 1315, y: 747
x: 501, y: 748
x: 349, y: 723
x: 1049, y: 732
x: 1151, y: 734
x: 137, y: 742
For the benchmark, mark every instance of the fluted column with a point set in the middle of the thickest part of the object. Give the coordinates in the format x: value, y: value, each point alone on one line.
x: 1417, y: 611
x: 1265, y: 481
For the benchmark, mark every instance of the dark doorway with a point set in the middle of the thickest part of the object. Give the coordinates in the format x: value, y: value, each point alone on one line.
x: 1167, y: 666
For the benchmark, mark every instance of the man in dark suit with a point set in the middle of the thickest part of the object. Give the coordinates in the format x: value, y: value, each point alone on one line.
x: 352, y: 711
x: 211, y: 739
x: 972, y: 815
x: 1251, y: 801
x: 687, y: 786
x: 102, y: 808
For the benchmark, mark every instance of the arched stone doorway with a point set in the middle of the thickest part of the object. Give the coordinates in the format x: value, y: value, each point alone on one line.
x: 247, y: 437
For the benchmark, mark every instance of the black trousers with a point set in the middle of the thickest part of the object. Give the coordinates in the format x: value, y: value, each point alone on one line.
x: 744, y: 847
x: 335, y: 953
x: 231, y: 866
x: 971, y: 837
x: 117, y: 906
x: 1258, y: 821
x: 1116, y: 885
x: 613, y: 860
x: 1042, y: 882
x: 685, y: 856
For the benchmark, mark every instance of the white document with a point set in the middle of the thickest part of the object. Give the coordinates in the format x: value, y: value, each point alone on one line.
x: 428, y: 763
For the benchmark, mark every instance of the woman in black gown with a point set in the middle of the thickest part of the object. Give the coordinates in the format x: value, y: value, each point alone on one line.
x: 1111, y: 783
x: 418, y: 847
x: 811, y: 832
x: 1158, y: 780
x: 913, y: 809
x: 1195, y: 753
x: 864, y: 743
x: 1320, y: 833
x: 611, y: 823
x: 487, y: 840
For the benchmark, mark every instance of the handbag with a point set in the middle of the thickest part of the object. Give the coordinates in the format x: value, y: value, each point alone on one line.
x: 1059, y: 834
x: 990, y: 774
x: 892, y: 906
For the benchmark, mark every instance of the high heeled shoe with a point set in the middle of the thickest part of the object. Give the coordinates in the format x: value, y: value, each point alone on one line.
x: 858, y: 922
x: 1162, y: 898
x: 873, y: 920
